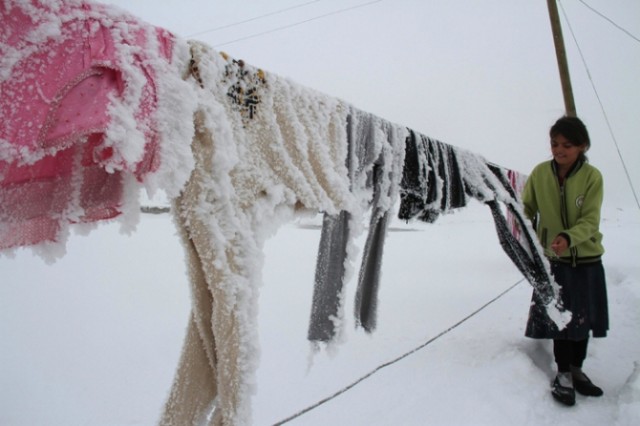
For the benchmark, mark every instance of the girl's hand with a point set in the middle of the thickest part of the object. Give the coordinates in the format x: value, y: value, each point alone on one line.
x: 559, y: 245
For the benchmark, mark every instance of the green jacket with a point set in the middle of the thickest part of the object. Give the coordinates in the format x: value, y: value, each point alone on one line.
x: 573, y: 209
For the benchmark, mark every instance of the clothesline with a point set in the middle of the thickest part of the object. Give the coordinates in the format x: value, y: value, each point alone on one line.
x: 395, y: 360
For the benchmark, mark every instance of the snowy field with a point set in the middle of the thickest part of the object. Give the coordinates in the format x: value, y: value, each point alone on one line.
x: 94, y: 338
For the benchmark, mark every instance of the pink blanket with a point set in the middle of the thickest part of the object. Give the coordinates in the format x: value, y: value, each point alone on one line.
x: 77, y: 110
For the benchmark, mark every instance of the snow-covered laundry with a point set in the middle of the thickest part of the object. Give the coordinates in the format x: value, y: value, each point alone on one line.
x: 436, y: 179
x: 439, y: 178
x: 387, y: 172
x: 240, y: 151
x: 81, y: 85
x: 374, y: 161
x: 264, y: 149
x: 432, y: 182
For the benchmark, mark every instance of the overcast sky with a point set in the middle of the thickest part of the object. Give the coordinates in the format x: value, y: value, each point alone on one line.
x: 481, y: 75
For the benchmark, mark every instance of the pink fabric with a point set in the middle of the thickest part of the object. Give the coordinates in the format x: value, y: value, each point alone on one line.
x: 517, y: 181
x: 57, y: 164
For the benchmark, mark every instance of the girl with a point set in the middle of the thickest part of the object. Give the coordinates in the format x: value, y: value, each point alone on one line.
x: 563, y: 198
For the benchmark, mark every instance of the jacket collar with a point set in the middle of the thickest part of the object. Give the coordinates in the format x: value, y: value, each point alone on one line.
x: 574, y: 169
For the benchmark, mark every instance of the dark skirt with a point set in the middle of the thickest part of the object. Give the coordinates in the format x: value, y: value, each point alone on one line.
x: 584, y: 293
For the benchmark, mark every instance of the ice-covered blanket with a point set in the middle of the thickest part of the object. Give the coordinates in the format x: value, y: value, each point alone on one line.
x: 85, y: 98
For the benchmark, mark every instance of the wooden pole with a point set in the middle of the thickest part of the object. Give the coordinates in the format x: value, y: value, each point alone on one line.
x: 561, y: 56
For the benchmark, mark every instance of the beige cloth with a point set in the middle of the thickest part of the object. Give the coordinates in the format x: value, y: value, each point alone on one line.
x: 209, y: 362
x: 263, y: 149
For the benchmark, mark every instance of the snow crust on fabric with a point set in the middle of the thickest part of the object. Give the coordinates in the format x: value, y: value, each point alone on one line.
x: 244, y: 151
x: 93, y: 105
x: 326, y: 305
x: 438, y: 179
x: 374, y: 161
x: 265, y: 149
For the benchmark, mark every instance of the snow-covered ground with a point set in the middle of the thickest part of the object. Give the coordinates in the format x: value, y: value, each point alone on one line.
x: 94, y: 339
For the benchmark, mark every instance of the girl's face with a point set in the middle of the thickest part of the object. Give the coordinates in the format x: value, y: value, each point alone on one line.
x: 564, y: 152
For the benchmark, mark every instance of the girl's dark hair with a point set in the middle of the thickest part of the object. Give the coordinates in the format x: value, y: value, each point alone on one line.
x: 573, y: 129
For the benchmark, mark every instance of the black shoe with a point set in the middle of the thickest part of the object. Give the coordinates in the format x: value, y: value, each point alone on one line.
x: 565, y: 395
x: 585, y: 387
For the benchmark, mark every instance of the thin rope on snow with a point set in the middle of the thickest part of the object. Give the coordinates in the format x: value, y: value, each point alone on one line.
x: 395, y: 360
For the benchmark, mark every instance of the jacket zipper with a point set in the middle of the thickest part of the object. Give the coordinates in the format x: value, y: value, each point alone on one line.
x: 565, y: 220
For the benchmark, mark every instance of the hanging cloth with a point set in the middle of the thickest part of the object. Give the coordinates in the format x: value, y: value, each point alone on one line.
x: 438, y: 178
x: 374, y: 162
x: 264, y: 149
x: 79, y: 109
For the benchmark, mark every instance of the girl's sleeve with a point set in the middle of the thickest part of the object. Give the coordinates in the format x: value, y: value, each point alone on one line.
x: 588, y: 222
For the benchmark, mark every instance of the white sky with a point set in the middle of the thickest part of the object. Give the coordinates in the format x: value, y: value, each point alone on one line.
x: 479, y: 75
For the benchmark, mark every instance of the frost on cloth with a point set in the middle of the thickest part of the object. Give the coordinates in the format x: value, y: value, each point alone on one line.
x: 81, y: 86
x: 374, y: 161
x: 438, y: 178
x: 94, y: 104
x: 264, y: 149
